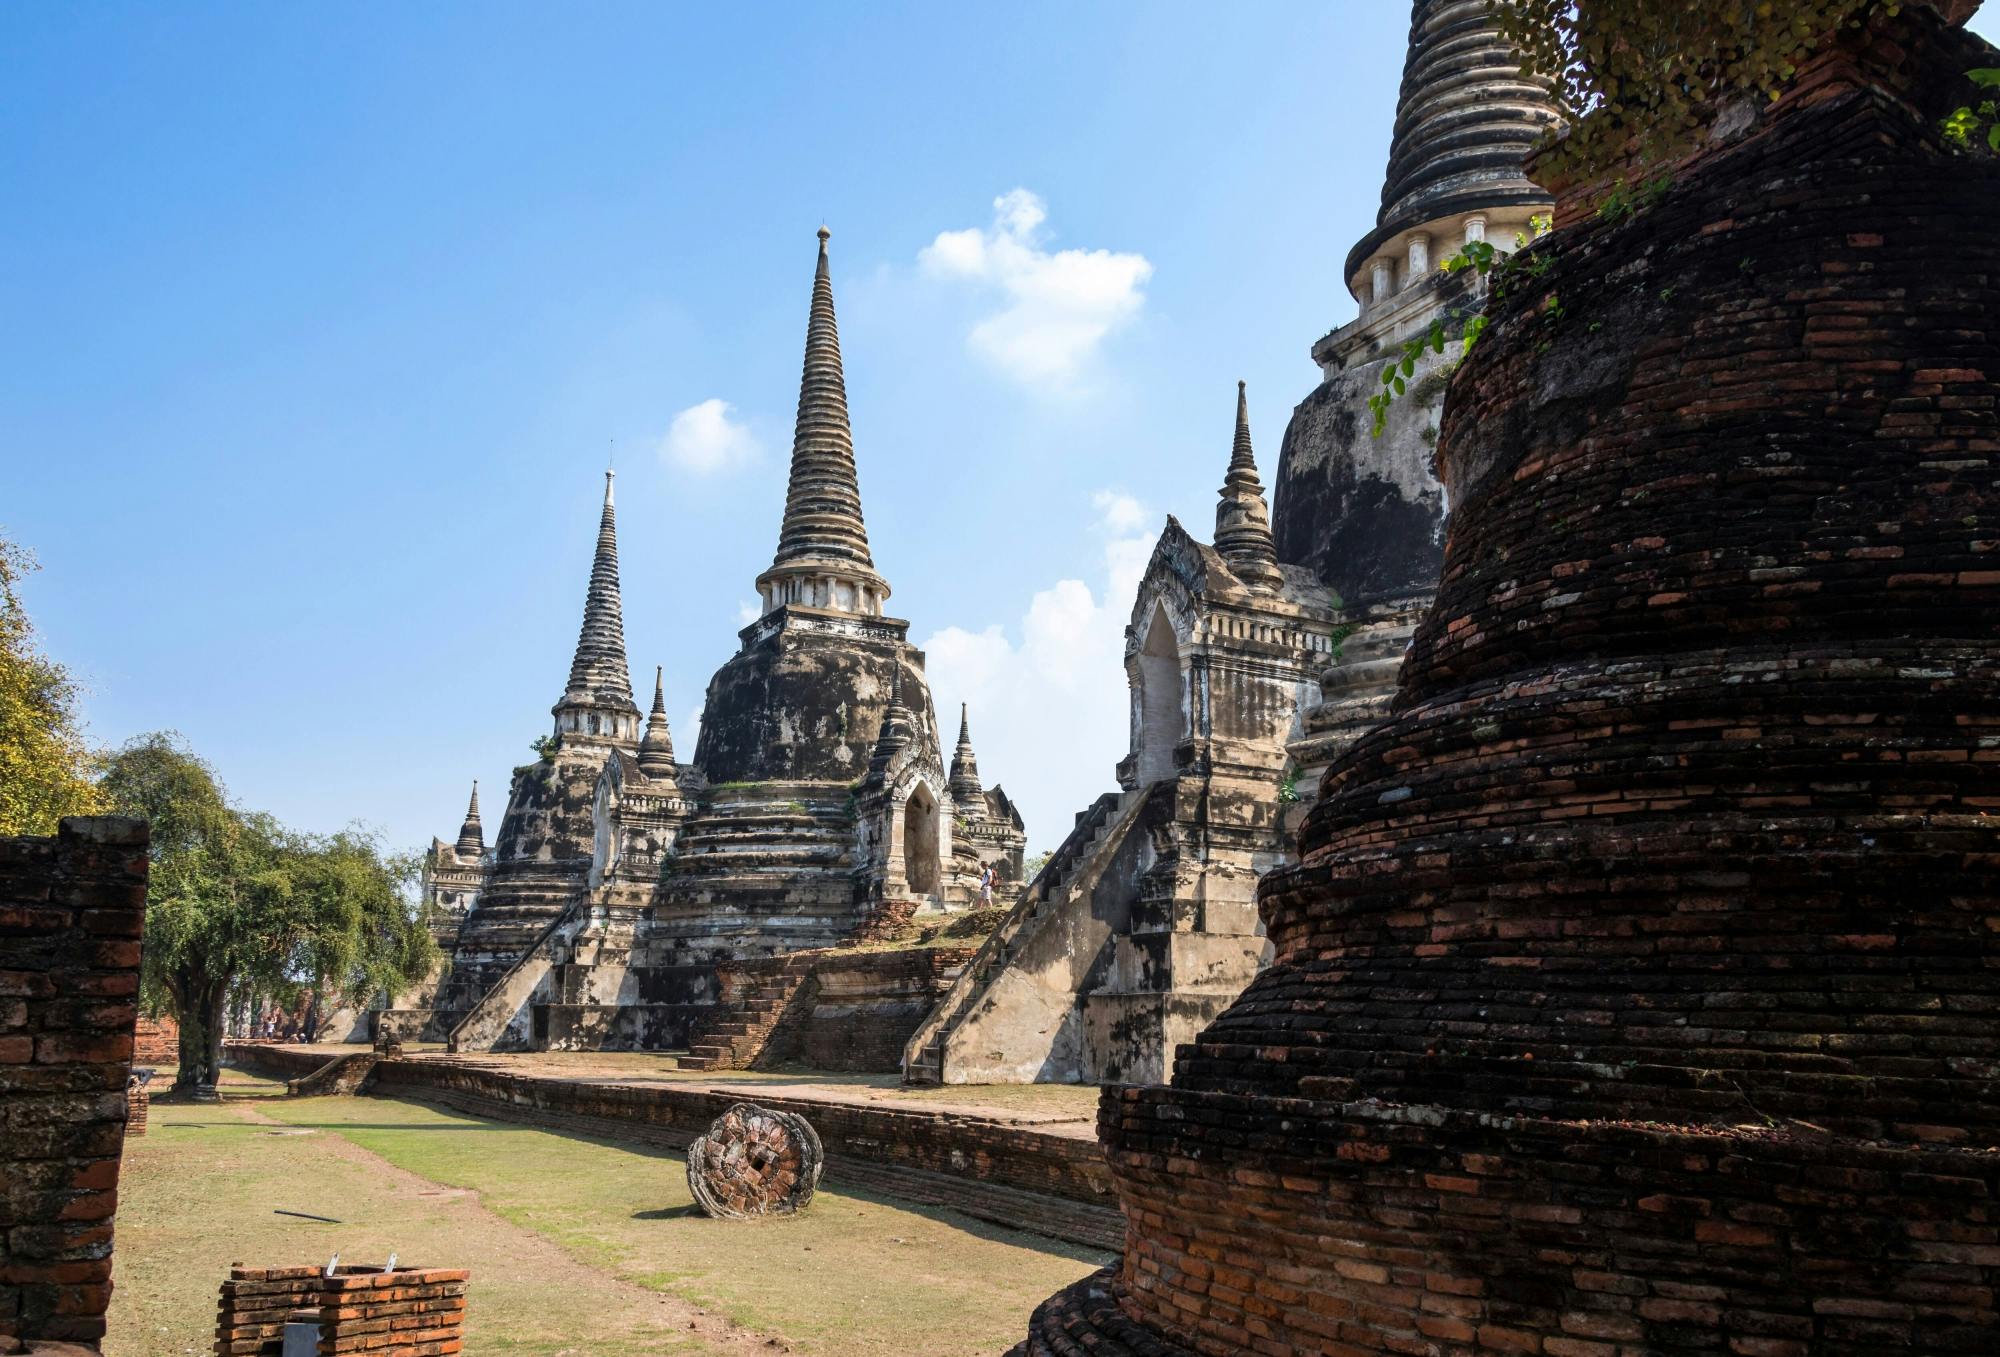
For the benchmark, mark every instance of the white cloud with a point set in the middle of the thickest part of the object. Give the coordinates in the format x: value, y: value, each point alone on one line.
x: 1059, y: 305
x: 1049, y: 711
x: 704, y: 439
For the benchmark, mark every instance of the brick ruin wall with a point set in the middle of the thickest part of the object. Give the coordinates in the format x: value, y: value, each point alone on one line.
x: 411, y: 1312
x: 72, y: 909
x: 157, y: 1041
x: 1639, y: 986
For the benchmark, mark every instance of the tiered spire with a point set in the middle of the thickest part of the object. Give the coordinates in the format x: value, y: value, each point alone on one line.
x: 598, y: 699
x: 965, y: 788
x: 822, y: 559
x: 1242, y: 520
x: 1466, y: 119
x: 656, y: 750
x: 471, y: 836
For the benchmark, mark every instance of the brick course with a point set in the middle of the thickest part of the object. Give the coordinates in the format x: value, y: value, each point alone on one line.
x: 72, y: 909
x: 1639, y: 986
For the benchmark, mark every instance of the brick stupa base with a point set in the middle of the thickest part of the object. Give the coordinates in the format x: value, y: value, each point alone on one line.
x: 1638, y: 988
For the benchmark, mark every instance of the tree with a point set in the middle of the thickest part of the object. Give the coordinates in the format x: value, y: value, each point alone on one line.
x: 45, y: 766
x: 1640, y: 75
x: 236, y: 900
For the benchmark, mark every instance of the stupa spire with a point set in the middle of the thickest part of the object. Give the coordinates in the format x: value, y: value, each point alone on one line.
x: 964, y: 781
x: 1466, y: 118
x: 597, y: 702
x: 1242, y: 519
x: 471, y: 836
x: 822, y: 558
x: 656, y: 750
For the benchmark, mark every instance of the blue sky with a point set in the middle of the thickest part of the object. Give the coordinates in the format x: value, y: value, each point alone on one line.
x: 321, y: 321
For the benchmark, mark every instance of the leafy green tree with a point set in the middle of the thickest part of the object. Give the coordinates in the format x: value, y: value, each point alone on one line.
x: 236, y: 899
x: 45, y: 767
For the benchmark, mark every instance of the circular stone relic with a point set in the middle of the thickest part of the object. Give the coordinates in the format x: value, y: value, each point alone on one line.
x: 755, y: 1162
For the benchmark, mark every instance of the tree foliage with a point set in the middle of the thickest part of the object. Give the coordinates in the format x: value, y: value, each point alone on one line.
x: 1641, y: 75
x: 236, y: 899
x: 45, y: 766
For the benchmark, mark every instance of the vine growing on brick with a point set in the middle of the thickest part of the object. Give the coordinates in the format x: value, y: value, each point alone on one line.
x: 1640, y: 77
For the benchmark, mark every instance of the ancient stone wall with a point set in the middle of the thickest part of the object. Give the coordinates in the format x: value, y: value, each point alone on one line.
x: 1639, y: 986
x: 72, y: 909
x: 860, y: 1008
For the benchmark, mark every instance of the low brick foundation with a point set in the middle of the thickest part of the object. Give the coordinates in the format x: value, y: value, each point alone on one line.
x: 72, y: 908
x: 411, y: 1312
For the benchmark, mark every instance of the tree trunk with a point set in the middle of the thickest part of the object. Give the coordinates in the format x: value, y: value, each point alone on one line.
x: 201, y: 1003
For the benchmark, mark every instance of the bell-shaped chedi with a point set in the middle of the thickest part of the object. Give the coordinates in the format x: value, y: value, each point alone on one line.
x: 1638, y: 990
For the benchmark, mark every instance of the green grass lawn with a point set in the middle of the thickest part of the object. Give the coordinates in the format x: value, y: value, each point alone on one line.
x: 576, y: 1246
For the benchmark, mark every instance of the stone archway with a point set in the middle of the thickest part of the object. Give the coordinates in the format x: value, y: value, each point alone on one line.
x: 1162, y: 717
x: 920, y: 842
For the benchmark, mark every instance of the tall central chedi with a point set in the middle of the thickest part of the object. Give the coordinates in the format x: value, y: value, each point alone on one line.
x: 798, y: 840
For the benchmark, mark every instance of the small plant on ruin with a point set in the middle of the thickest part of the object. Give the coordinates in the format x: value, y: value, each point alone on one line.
x: 1976, y: 125
x: 1640, y: 78
x: 544, y: 746
x: 1503, y: 272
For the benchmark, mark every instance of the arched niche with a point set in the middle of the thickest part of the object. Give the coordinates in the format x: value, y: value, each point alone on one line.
x: 1161, y: 709
x: 920, y: 842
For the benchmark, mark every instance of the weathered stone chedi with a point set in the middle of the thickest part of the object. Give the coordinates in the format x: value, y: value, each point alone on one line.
x: 1639, y: 988
x: 817, y: 802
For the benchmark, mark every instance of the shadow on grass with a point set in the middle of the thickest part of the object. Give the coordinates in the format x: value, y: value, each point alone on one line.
x: 668, y: 1212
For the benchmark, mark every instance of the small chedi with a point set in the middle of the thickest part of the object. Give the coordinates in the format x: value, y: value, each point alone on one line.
x: 755, y: 1161
x: 817, y: 808
x: 1252, y: 662
x: 1639, y: 985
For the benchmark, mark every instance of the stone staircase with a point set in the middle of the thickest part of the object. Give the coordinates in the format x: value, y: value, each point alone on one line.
x: 923, y: 1060
x: 751, y: 1009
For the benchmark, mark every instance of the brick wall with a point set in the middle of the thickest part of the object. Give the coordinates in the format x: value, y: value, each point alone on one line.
x: 157, y: 1041
x: 411, y: 1312
x: 1638, y: 989
x: 72, y: 909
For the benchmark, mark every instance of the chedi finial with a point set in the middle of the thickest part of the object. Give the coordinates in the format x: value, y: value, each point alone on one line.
x: 1242, y: 519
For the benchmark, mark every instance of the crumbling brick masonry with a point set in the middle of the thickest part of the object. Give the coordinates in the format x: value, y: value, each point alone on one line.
x: 1638, y: 989
x: 72, y: 909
